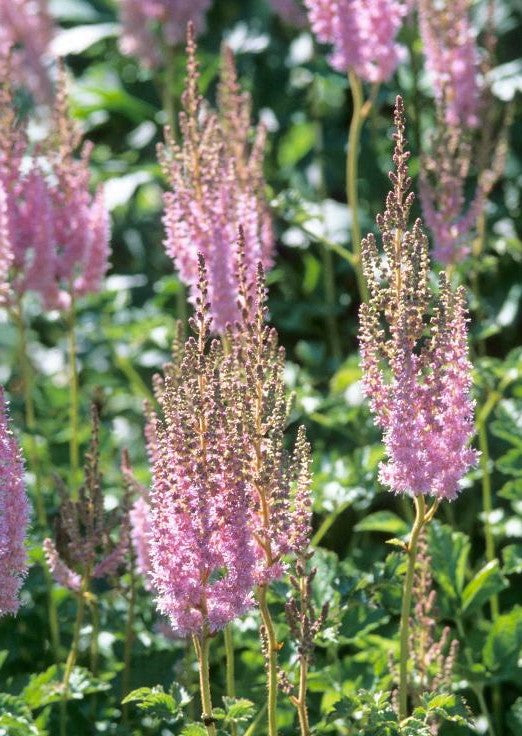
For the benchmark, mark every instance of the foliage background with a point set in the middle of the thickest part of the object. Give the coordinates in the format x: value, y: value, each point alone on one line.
x: 125, y: 332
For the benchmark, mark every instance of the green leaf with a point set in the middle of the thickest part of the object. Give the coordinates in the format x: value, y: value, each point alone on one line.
x: 502, y: 649
x: 512, y: 556
x: 487, y: 582
x: 238, y: 709
x: 508, y: 422
x: 449, y: 552
x: 295, y: 145
x: 47, y: 687
x: 382, y: 521
x: 512, y: 490
x: 511, y: 462
x: 155, y: 702
x: 194, y: 729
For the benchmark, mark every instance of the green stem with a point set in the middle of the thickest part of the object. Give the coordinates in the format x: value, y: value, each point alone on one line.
x: 74, y: 451
x: 272, y: 647
x: 327, y: 523
x: 302, y: 710
x: 420, y: 520
x: 73, y: 653
x: 129, y: 639
x: 359, y: 114
x: 202, y: 648
x: 230, y: 674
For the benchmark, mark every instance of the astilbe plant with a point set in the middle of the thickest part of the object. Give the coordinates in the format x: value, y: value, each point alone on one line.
x: 228, y: 503
x: 422, y: 400
x: 56, y: 231
x: 216, y: 182
x: 416, y: 370
x: 26, y: 32
x: 363, y: 34
x: 14, y: 515
x: 149, y: 25
x: 452, y: 58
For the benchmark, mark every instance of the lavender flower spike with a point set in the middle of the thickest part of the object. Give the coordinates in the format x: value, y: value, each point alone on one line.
x: 217, y: 184
x: 417, y: 377
x: 14, y: 515
x: 201, y: 547
x: 6, y: 253
x: 452, y: 58
x: 362, y: 33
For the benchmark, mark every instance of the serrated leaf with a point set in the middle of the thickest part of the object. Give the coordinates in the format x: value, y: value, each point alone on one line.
x: 487, y: 582
x: 155, y: 702
x: 238, y: 709
x: 508, y: 422
x: 382, y: 521
x: 514, y: 718
x: 512, y: 556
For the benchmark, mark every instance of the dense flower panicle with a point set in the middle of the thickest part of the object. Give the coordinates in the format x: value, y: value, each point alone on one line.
x: 227, y: 502
x: 363, y: 34
x: 26, y: 32
x: 84, y: 546
x: 421, y: 399
x: 14, y: 515
x: 139, y: 517
x: 147, y: 23
x: 58, y: 233
x: 216, y: 181
x: 290, y: 11
x: 452, y: 58
x: 443, y: 181
x: 201, y: 549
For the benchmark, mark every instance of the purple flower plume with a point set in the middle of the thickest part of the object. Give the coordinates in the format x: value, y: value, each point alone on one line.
x: 227, y: 502
x: 217, y: 184
x: 14, y: 515
x: 363, y: 34
x: 57, y: 232
x: 416, y: 369
x: 26, y: 32
x: 452, y: 58
x: 147, y: 23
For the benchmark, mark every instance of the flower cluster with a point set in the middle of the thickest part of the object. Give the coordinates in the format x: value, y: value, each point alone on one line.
x: 363, y: 34
x: 54, y: 234
x: 26, y: 31
x: 217, y: 184
x: 14, y: 515
x: 227, y: 502
x: 84, y: 547
x: 422, y: 401
x: 452, y: 58
x: 146, y: 21
x: 442, y: 192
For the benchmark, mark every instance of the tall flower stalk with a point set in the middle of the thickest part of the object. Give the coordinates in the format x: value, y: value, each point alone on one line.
x: 416, y: 370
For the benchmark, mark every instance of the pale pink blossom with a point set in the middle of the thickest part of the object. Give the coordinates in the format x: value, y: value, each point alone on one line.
x: 363, y: 34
